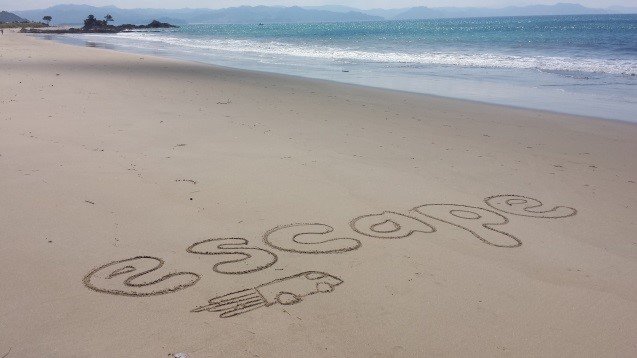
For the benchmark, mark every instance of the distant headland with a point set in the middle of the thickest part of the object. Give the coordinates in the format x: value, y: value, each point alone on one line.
x: 71, y: 14
x: 94, y: 25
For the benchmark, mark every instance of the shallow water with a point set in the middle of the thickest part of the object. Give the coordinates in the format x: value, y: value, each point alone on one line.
x: 583, y: 65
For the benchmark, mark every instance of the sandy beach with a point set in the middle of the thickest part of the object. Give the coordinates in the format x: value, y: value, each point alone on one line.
x: 299, y: 217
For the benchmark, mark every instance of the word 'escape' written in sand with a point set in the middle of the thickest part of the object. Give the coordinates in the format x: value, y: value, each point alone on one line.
x: 139, y: 276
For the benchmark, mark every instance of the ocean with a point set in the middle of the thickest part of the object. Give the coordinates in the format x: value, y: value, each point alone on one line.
x: 583, y: 65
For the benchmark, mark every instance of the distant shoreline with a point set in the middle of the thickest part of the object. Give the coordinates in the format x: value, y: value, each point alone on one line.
x: 103, y: 29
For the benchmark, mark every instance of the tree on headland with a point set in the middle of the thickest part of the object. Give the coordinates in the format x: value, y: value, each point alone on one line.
x: 92, y: 23
x: 108, y: 18
x: 48, y: 19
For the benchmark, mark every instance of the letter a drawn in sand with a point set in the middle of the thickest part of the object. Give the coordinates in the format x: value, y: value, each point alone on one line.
x: 285, y: 291
x: 126, y: 278
x: 389, y: 225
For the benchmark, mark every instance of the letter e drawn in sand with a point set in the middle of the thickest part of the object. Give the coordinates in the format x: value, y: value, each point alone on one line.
x: 525, y: 206
x: 285, y: 291
x: 477, y: 221
x: 126, y: 278
x: 300, y: 238
x: 251, y: 259
x: 389, y: 225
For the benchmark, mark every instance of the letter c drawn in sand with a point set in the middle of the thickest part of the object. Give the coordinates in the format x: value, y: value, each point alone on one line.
x: 525, y: 206
x: 298, y: 238
x: 124, y: 278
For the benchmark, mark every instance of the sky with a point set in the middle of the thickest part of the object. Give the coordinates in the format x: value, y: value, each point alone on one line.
x: 363, y: 4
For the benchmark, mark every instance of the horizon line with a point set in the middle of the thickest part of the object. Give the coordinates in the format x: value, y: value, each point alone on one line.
x: 327, y: 5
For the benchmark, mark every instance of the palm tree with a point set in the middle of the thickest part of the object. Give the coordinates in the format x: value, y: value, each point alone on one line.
x: 48, y: 19
x: 108, y: 18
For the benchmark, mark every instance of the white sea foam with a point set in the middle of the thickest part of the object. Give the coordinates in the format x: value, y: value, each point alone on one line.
x: 476, y: 60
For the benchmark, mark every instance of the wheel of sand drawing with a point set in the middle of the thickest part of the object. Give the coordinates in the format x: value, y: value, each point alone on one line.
x: 287, y: 298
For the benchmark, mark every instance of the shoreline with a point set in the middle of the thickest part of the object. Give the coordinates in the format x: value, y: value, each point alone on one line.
x: 353, y: 85
x: 114, y: 164
x: 176, y: 56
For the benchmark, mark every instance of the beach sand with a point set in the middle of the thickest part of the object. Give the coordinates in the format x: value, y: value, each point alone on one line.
x: 106, y: 156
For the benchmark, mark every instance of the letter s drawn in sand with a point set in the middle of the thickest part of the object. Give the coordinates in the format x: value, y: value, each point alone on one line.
x: 477, y: 221
x: 285, y: 291
x: 124, y: 278
x: 525, y: 206
x: 252, y: 259
x: 297, y: 238
x: 389, y: 225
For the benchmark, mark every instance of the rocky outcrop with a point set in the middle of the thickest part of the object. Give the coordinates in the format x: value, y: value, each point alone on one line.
x: 92, y: 26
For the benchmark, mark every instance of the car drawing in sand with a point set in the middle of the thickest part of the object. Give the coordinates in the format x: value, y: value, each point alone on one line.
x: 285, y: 291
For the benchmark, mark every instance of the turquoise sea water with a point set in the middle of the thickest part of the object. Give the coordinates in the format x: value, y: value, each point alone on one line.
x: 575, y: 64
